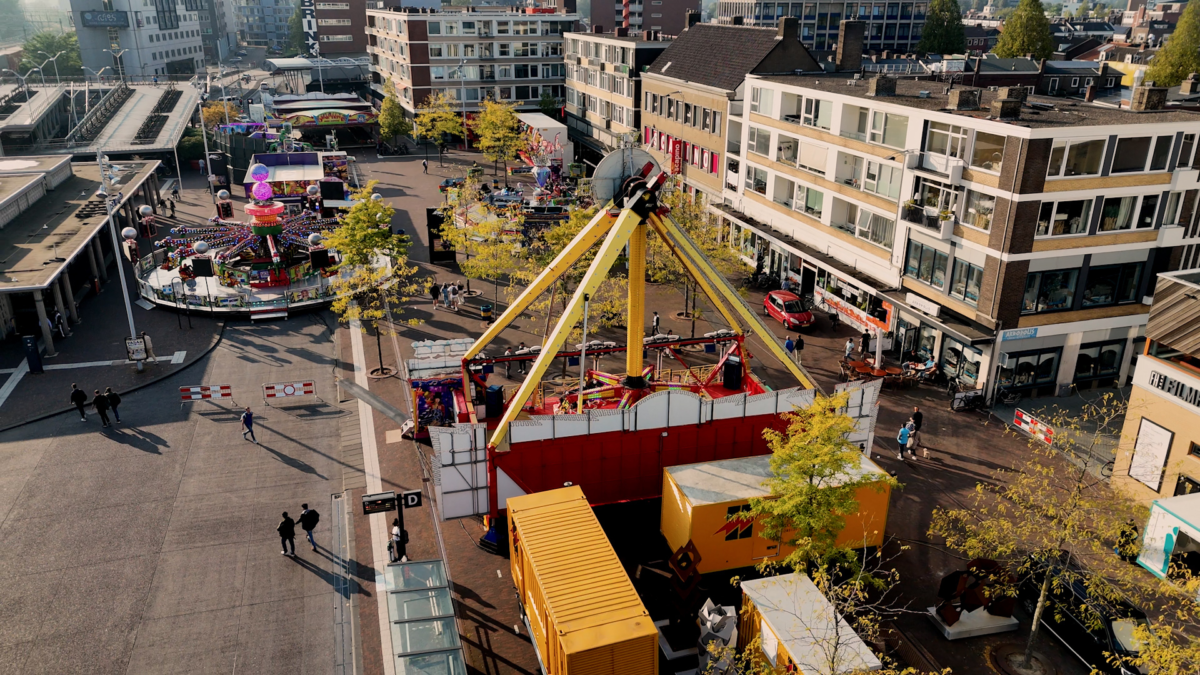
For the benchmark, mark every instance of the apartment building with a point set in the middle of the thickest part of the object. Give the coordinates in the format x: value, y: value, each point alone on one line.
x: 687, y: 93
x: 264, y: 23
x: 668, y: 17
x: 341, y: 27
x: 604, y: 88
x: 890, y: 26
x: 471, y: 54
x: 159, y: 38
x: 1015, y: 241
x: 1159, y: 455
x: 218, y: 35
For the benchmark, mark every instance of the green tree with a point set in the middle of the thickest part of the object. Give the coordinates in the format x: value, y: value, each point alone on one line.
x: 379, y: 279
x: 52, y: 43
x: 548, y: 105
x: 392, y: 122
x: 1027, y: 31
x: 499, y: 134
x: 439, y: 119
x: 943, y: 32
x: 1083, y: 10
x: 295, y: 38
x: 1181, y: 53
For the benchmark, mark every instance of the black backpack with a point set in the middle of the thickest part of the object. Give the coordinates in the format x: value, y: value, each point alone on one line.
x: 312, y: 518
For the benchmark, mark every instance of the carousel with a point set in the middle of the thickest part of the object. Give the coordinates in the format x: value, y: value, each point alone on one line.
x: 272, y: 260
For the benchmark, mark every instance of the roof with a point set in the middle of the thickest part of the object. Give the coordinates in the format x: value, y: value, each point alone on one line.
x: 997, y: 65
x: 1184, y: 507
x: 730, y: 480
x: 636, y: 41
x: 691, y: 56
x: 808, y: 626
x: 293, y: 172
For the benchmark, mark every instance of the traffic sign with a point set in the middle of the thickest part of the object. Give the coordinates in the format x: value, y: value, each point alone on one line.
x: 411, y: 499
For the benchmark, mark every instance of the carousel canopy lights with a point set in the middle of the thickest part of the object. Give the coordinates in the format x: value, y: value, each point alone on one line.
x: 262, y: 191
x: 259, y: 173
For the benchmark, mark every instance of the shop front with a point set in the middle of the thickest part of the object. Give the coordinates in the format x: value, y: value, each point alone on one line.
x: 925, y: 330
x: 1055, y: 360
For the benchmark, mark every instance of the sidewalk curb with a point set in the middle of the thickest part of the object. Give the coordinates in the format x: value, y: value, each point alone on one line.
x: 206, y: 352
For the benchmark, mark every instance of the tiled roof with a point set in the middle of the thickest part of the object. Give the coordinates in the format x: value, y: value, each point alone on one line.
x: 715, y: 55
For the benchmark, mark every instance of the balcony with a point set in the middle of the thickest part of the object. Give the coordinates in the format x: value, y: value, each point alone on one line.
x: 940, y: 224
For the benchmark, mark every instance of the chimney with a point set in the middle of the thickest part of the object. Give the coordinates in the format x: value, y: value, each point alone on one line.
x: 691, y: 18
x: 881, y: 85
x: 737, y: 21
x: 1148, y: 97
x: 964, y: 98
x: 621, y: 31
x: 1006, y: 108
x: 1089, y: 93
x: 1018, y: 93
x: 1190, y: 85
x: 850, y: 45
x: 789, y: 29
x: 598, y: 29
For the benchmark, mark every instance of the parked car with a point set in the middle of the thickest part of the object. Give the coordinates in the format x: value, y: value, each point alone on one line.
x: 787, y: 308
x: 450, y: 184
x: 1090, y: 627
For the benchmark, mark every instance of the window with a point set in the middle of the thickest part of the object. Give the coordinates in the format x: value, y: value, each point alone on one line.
x: 961, y: 361
x: 760, y: 100
x: 883, y: 180
x: 926, y: 263
x: 979, y: 210
x: 756, y: 179
x: 946, y: 139
x: 965, y: 282
x: 809, y: 200
x: 854, y: 122
x: 1186, y: 149
x: 813, y: 158
x: 739, y: 526
x: 817, y: 113
x: 888, y: 129
x: 759, y: 141
x: 1075, y: 158
x: 1112, y: 285
x: 1117, y: 213
x: 706, y: 122
x: 1099, y: 360
x: 334, y: 22
x: 1132, y: 153
x: 435, y: 27
x: 1029, y: 369
x: 1064, y: 218
x: 783, y: 191
x: 1171, y: 213
x: 1049, y: 291
x: 788, y: 150
x: 988, y: 152
x: 876, y: 229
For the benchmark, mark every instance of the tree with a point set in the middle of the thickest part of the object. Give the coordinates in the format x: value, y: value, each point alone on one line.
x: 548, y: 105
x: 943, y: 32
x: 1050, y: 516
x: 51, y: 43
x: 438, y: 120
x: 499, y: 135
x: 1027, y: 31
x: 1180, y: 56
x: 1082, y: 10
x: 392, y: 122
x: 377, y: 278
x: 213, y: 115
x: 295, y: 37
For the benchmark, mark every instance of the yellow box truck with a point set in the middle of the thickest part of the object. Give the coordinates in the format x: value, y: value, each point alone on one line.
x: 579, y: 604
x: 699, y: 500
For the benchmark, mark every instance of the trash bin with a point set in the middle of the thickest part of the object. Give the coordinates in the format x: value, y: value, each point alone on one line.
x: 485, y: 313
x: 494, y: 401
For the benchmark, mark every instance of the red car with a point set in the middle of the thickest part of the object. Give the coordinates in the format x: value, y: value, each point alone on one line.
x: 788, y: 308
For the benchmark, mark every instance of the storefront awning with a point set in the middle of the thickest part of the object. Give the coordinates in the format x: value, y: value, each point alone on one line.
x: 961, y: 329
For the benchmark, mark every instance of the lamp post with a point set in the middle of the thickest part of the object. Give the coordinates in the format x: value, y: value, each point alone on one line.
x: 97, y: 73
x: 117, y: 54
x: 129, y: 233
x: 19, y: 77
x: 462, y: 88
x: 316, y: 50
x: 55, y: 60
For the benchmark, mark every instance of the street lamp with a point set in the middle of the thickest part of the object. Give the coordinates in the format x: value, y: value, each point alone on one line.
x: 129, y: 234
x: 316, y: 50
x: 55, y: 60
x: 462, y: 88
x: 21, y: 78
x: 117, y: 57
x: 97, y: 73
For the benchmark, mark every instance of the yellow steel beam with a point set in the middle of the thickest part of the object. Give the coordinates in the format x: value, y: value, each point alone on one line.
x: 689, y: 250
x: 635, y: 319
x: 587, y: 237
x: 618, y: 234
x: 697, y: 275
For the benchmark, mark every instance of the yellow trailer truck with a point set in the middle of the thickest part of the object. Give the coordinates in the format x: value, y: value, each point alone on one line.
x: 701, y: 502
x: 578, y: 603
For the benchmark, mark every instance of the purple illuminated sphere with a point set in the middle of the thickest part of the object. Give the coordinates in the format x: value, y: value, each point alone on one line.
x: 259, y: 173
x: 262, y: 192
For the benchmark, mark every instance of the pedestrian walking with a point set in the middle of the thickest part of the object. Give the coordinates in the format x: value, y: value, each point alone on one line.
x: 308, y: 522
x: 799, y: 348
x: 172, y: 204
x: 446, y: 296
x: 435, y: 290
x: 866, y: 344
x: 113, y: 401
x: 453, y: 297
x: 175, y: 193
x: 425, y: 166
x: 397, y: 542
x: 917, y: 418
x: 912, y: 439
x: 79, y: 399
x: 902, y: 440
x: 201, y: 162
x: 149, y: 347
x: 287, y: 534
x: 654, y: 323
x: 508, y: 364
x: 100, y: 402
x: 248, y: 425
x: 849, y: 347
x: 790, y: 347
x: 521, y: 364
x: 462, y: 294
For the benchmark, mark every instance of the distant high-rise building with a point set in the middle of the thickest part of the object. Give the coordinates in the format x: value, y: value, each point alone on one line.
x: 891, y: 26
x: 264, y: 23
x: 151, y: 39
x: 217, y: 32
x: 668, y: 17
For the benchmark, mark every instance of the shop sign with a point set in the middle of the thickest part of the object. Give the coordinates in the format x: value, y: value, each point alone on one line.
x: 921, y: 304
x: 109, y: 19
x: 676, y: 156
x: 1018, y: 334
x: 1180, y: 390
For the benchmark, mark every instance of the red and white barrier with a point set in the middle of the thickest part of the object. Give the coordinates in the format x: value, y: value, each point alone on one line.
x: 288, y: 390
x: 1033, y: 426
x: 200, y: 392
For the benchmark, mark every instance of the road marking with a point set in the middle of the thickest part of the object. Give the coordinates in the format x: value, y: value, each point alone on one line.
x: 11, y: 383
x: 379, y: 527
x: 88, y: 364
x: 178, y: 357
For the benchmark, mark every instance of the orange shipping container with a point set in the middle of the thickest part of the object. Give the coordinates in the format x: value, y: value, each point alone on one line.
x: 580, y: 606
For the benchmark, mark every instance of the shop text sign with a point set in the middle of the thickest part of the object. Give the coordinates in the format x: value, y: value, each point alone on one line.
x: 1180, y: 390
x: 1019, y: 334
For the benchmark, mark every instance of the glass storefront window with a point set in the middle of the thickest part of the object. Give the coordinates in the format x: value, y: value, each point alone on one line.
x: 1049, y: 291
x: 926, y: 339
x: 1099, y: 360
x: 1029, y: 369
x: 961, y: 361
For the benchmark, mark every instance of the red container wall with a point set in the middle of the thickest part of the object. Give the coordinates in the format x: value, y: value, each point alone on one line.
x: 627, y: 465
